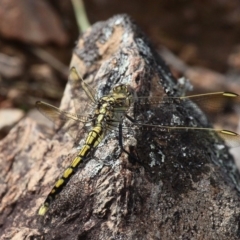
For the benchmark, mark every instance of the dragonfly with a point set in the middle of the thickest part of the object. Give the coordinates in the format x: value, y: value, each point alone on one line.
x: 109, y: 112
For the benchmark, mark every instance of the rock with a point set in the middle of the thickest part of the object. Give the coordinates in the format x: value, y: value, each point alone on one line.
x: 172, y: 186
x: 9, y: 117
x: 32, y: 22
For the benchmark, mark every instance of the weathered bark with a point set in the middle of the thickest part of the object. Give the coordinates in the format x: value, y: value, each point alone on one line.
x: 181, y: 187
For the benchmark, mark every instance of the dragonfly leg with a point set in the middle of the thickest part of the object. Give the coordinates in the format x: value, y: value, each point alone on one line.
x: 133, y: 158
x: 130, y: 119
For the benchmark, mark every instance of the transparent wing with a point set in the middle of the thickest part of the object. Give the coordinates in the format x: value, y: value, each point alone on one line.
x: 83, y: 95
x: 232, y: 139
x: 84, y: 101
x: 209, y: 102
x: 215, y: 101
x: 69, y: 122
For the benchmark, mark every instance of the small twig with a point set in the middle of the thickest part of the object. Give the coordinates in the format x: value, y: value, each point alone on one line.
x: 51, y: 60
x: 169, y: 57
x: 81, y: 16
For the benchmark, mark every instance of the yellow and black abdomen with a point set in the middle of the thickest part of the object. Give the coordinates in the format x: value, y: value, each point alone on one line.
x: 93, y: 139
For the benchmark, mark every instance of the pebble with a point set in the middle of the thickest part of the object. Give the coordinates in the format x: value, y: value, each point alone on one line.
x: 9, y: 117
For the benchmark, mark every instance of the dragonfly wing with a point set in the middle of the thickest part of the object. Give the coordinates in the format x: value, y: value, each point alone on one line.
x: 213, y: 102
x: 209, y: 102
x: 83, y: 102
x: 83, y: 95
x: 232, y: 139
x: 69, y: 122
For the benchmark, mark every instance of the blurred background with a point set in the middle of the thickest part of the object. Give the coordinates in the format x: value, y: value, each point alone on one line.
x: 197, y: 38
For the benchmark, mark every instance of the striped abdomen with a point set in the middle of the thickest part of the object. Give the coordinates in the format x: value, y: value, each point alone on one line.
x: 93, y: 139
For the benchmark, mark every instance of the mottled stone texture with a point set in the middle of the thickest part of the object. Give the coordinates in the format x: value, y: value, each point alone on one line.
x: 181, y: 186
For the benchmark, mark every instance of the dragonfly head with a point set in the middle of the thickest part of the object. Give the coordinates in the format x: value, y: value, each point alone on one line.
x: 122, y: 95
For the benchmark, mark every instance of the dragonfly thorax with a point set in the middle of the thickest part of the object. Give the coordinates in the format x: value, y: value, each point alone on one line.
x: 112, y: 108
